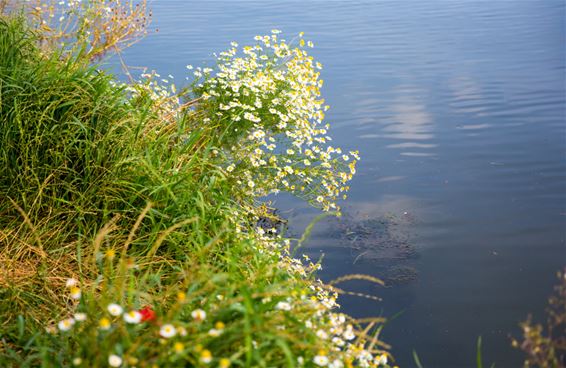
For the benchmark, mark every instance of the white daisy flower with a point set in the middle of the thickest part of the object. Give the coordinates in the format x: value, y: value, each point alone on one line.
x: 199, y: 315
x: 132, y: 317
x: 167, y: 331
x: 115, y: 309
x: 66, y: 324
x: 114, y: 360
x: 80, y: 317
x: 320, y: 360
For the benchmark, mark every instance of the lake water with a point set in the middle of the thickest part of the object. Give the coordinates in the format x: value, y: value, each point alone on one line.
x: 457, y: 108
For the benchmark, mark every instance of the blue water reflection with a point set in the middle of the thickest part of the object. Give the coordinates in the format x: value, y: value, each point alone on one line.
x: 458, y: 110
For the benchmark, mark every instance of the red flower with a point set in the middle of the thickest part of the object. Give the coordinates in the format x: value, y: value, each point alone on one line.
x: 147, y: 313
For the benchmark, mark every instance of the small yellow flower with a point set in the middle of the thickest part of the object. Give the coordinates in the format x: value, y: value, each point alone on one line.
x: 206, y: 356
x: 75, y: 292
x: 181, y: 297
x: 219, y: 325
x: 179, y: 347
x: 224, y: 363
x: 104, y: 324
x: 110, y: 253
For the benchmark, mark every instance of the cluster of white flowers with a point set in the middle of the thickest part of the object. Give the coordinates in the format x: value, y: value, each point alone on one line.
x: 266, y: 99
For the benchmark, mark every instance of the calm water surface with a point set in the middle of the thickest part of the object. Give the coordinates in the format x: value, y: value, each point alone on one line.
x: 457, y: 108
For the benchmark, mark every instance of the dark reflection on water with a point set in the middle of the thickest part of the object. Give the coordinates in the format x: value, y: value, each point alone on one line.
x: 458, y: 110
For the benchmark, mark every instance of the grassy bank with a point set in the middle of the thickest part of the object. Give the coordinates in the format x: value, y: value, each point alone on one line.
x: 129, y: 212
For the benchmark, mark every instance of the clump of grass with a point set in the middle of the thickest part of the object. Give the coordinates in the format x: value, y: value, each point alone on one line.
x: 61, y: 124
x: 126, y: 191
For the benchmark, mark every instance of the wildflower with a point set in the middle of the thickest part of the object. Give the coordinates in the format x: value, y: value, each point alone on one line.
x: 182, y: 331
x: 217, y: 330
x: 206, y: 356
x: 283, y: 306
x: 179, y: 347
x: 80, y: 317
x: 336, y: 364
x: 133, y: 317
x: 199, y: 315
x: 114, y: 360
x: 104, y: 324
x: 147, y: 314
x: 66, y: 324
x: 381, y: 360
x: 224, y: 363
x: 338, y: 341
x: 75, y: 292
x: 110, y: 253
x: 230, y: 168
x: 321, y: 359
x: 167, y: 331
x: 181, y: 297
x: 322, y: 334
x: 114, y: 309
x: 71, y: 282
x: 349, y: 333
x: 77, y: 361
